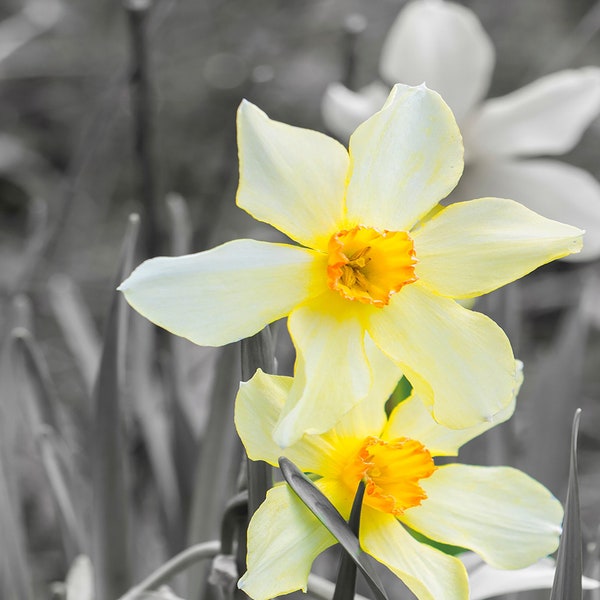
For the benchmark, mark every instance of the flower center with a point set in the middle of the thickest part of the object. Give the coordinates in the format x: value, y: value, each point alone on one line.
x: 368, y: 265
x: 391, y: 472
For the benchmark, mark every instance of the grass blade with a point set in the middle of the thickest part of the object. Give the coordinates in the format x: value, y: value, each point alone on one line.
x: 77, y: 326
x: 16, y: 577
x: 322, y: 508
x: 567, y: 579
x: 31, y: 367
x: 110, y: 526
x: 218, y: 461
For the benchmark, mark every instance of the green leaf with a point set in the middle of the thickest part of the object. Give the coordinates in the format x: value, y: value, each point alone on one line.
x: 322, y: 508
x: 446, y: 548
x: 567, y: 579
x: 400, y: 393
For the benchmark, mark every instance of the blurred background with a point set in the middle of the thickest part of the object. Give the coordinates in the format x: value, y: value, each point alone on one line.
x: 118, y: 107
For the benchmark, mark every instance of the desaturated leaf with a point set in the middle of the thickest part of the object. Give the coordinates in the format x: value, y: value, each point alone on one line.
x: 567, y: 580
x: 346, y: 580
x: 110, y: 525
x: 322, y: 508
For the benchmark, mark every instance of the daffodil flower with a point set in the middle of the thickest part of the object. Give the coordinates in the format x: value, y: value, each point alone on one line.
x: 500, y: 513
x: 377, y: 266
x: 444, y: 44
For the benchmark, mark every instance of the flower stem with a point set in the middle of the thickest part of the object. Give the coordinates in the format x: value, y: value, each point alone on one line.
x: 346, y: 580
x: 178, y: 563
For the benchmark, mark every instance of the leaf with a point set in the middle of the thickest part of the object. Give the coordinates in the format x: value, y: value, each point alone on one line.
x: 346, y: 579
x: 322, y: 508
x: 31, y: 368
x: 77, y: 326
x: 17, y: 578
x: 110, y: 523
x: 553, y: 379
x: 218, y: 461
x: 569, y: 570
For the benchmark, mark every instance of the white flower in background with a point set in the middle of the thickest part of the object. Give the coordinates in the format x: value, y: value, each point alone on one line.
x: 486, y: 581
x: 443, y: 44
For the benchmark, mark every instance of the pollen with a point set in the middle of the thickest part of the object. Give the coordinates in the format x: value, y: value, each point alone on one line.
x: 369, y: 266
x: 391, y: 471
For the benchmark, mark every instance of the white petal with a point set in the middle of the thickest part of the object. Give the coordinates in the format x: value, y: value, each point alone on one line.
x: 551, y: 188
x: 332, y: 371
x: 412, y: 419
x: 290, y: 177
x: 284, y: 538
x: 472, y: 248
x: 459, y: 361
x: 547, y: 116
x: 505, y: 516
x: 344, y: 110
x: 230, y: 292
x: 444, y: 45
x: 429, y: 573
x: 488, y: 582
x: 405, y: 159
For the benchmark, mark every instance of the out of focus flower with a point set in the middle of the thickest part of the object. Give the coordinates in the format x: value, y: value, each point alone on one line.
x: 444, y: 45
x: 374, y: 288
x: 503, y: 515
x: 486, y: 581
x: 35, y: 17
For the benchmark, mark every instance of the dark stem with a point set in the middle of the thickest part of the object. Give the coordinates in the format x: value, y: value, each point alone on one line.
x: 143, y: 130
x: 354, y: 26
x: 346, y: 579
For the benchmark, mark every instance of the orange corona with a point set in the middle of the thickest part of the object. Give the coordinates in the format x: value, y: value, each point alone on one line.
x: 368, y: 265
x: 391, y: 472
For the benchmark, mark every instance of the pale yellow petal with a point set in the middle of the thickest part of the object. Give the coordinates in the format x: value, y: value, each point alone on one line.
x: 405, y: 159
x: 368, y: 416
x: 290, y: 177
x: 332, y: 371
x: 505, y: 516
x: 429, y: 573
x: 551, y: 188
x: 471, y: 248
x: 284, y: 538
x: 412, y: 419
x: 258, y: 407
x: 459, y: 361
x: 230, y: 292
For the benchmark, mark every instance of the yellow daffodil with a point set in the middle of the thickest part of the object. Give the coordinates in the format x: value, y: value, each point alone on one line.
x: 377, y: 264
x: 500, y: 513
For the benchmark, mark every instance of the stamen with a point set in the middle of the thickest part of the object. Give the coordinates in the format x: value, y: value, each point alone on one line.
x: 391, y: 472
x: 370, y: 266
